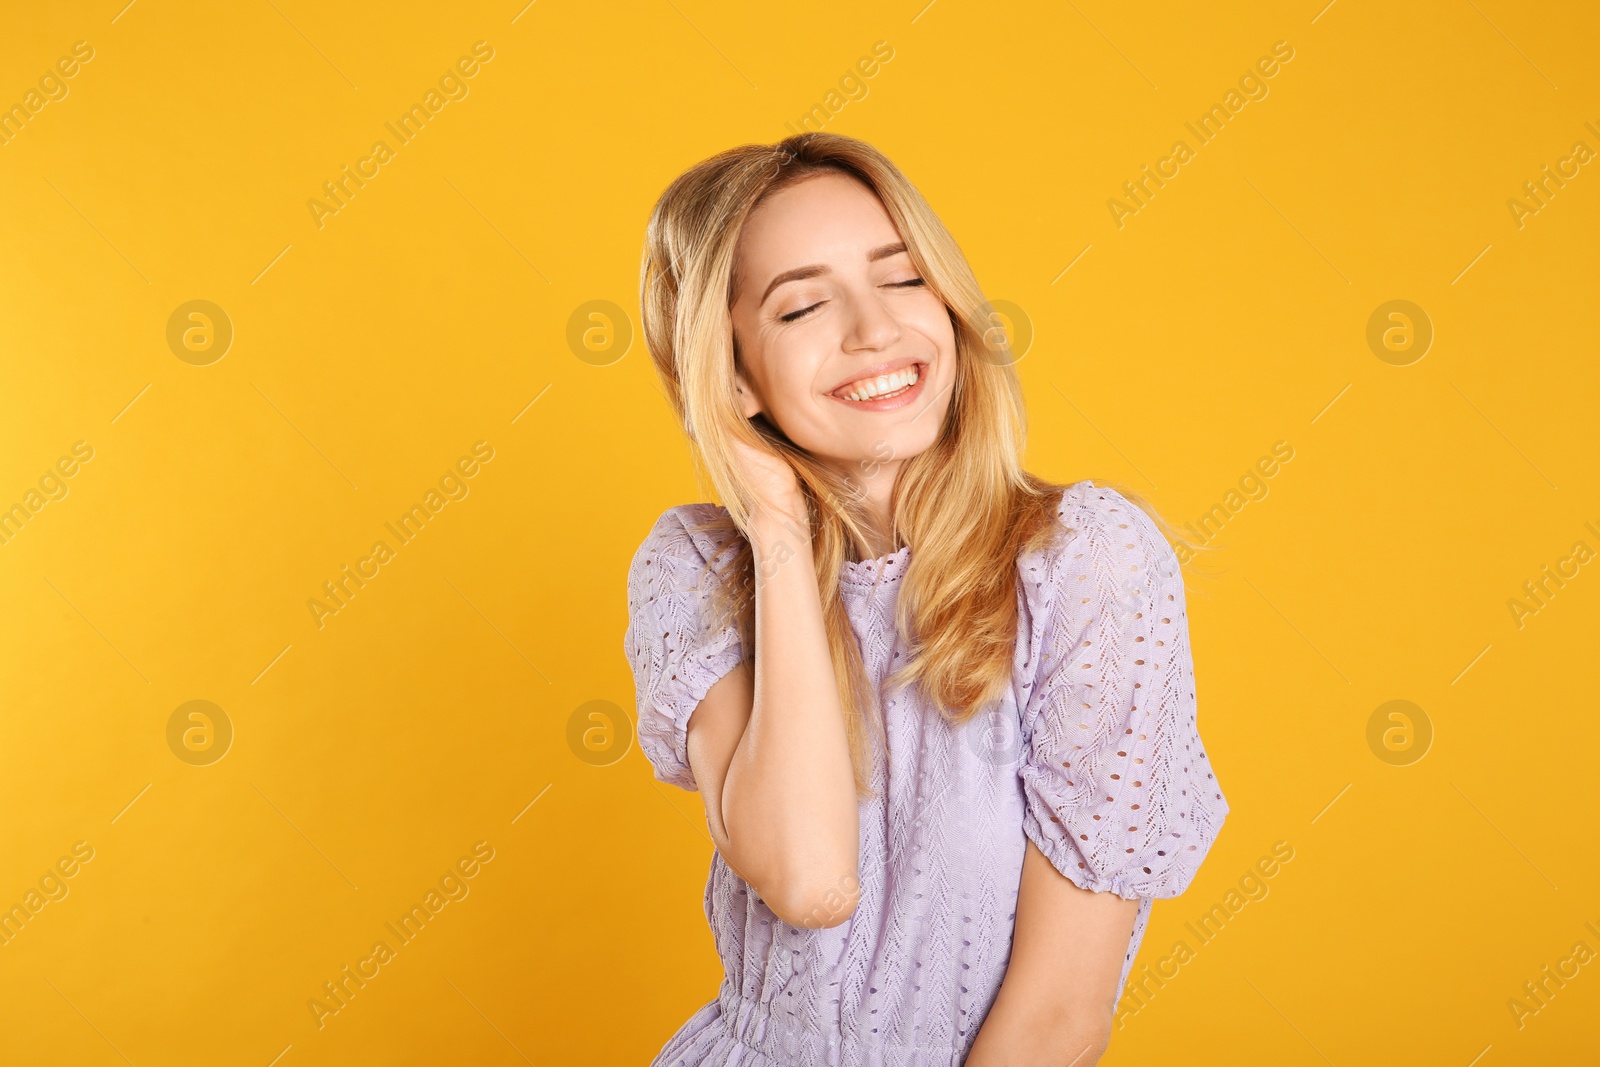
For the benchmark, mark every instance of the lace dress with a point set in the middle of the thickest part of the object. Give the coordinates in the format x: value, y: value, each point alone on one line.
x: 1093, y: 754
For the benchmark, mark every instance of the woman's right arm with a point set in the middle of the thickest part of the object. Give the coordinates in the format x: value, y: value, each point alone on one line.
x: 770, y: 753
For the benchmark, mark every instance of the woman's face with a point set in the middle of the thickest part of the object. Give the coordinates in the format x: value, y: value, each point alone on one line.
x: 840, y: 343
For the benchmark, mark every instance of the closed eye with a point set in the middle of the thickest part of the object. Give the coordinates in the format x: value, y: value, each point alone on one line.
x: 796, y: 316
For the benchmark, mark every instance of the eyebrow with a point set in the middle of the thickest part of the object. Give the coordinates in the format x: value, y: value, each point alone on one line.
x: 801, y: 273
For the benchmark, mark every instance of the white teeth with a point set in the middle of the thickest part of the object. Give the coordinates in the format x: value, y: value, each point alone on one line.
x: 871, y: 388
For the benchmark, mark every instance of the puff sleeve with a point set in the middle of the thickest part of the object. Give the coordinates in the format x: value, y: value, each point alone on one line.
x: 1118, y: 791
x: 675, y: 649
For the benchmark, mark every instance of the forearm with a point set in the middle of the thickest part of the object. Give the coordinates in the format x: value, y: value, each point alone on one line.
x: 1030, y: 1030
x: 1056, y: 1003
x: 789, y: 801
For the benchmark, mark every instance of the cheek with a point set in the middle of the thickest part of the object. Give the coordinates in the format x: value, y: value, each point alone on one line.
x: 936, y: 326
x: 932, y: 319
x: 788, y: 374
x: 796, y: 395
x: 796, y: 402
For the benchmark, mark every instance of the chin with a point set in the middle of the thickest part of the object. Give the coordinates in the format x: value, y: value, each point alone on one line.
x: 873, y: 456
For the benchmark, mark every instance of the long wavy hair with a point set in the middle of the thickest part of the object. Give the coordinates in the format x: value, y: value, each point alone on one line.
x: 965, y: 506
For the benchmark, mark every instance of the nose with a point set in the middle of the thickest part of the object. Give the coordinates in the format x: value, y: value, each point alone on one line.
x: 873, y: 326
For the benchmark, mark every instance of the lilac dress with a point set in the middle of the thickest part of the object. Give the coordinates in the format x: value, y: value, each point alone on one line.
x: 1093, y: 754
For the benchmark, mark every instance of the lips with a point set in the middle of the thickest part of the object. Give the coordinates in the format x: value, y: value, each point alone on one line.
x: 902, y: 391
x: 879, y: 386
x: 884, y: 378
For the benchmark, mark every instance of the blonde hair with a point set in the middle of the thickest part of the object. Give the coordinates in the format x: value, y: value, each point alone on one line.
x: 964, y: 505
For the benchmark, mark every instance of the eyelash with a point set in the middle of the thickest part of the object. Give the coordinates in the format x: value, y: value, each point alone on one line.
x: 796, y: 316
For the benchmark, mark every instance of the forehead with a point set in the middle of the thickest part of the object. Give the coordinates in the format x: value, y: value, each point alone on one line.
x: 827, y: 218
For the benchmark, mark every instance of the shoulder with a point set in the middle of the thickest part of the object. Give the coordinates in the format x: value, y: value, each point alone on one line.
x: 1101, y: 539
x: 689, y: 524
x: 1108, y: 517
x: 688, y: 537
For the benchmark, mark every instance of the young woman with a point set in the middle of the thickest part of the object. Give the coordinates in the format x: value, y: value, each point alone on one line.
x: 941, y: 712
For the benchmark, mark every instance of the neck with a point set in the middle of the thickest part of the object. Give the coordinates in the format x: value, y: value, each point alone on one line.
x: 875, y: 488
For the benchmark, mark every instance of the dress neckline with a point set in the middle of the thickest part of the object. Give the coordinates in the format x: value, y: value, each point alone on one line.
x: 871, y: 571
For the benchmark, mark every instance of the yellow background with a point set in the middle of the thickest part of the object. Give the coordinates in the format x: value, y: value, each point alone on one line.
x: 369, y: 354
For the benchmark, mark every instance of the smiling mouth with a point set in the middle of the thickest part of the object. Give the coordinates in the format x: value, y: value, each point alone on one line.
x: 883, y: 387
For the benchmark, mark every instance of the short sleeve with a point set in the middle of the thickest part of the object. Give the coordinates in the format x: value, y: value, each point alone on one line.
x: 1119, y: 793
x: 674, y: 646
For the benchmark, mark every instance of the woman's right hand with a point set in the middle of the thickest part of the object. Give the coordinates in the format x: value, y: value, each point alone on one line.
x: 773, y: 479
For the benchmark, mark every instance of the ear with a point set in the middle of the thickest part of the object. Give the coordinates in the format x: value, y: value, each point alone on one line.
x: 749, y: 403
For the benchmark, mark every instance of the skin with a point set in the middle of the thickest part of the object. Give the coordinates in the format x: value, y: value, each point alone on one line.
x: 768, y: 747
x: 856, y: 314
x: 1057, y: 1001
